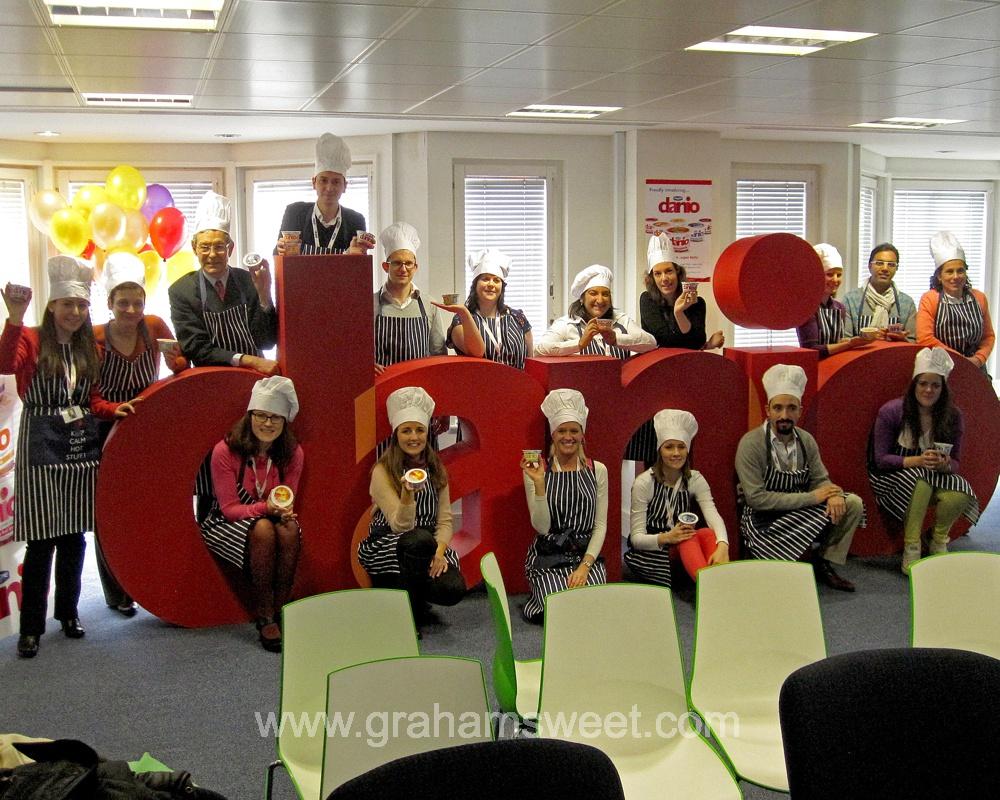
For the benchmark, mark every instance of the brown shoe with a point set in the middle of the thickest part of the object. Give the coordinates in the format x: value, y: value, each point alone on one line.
x: 825, y: 574
x: 270, y: 635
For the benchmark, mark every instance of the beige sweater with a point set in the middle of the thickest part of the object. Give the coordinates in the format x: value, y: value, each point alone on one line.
x: 400, y: 509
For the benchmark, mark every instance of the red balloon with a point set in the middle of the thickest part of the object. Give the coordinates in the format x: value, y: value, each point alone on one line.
x: 88, y: 251
x: 166, y: 231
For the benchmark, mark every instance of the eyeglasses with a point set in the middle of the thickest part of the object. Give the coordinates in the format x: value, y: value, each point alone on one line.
x: 890, y: 264
x: 409, y: 266
x: 217, y: 249
x: 271, y: 419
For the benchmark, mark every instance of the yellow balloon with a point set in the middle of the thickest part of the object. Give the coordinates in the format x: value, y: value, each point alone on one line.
x: 107, y: 224
x: 179, y: 264
x: 43, y: 205
x: 154, y: 270
x: 135, y: 234
x: 69, y: 231
x: 126, y: 187
x: 87, y: 197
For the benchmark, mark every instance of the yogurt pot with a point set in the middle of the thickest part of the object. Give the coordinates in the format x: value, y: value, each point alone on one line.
x: 690, y: 286
x: 532, y: 456
x: 366, y: 239
x: 650, y: 223
x: 605, y: 324
x: 869, y: 333
x: 679, y: 238
x: 707, y: 222
x: 415, y: 477
x: 165, y: 345
x: 449, y: 299
x: 943, y: 447
x: 18, y: 293
x: 697, y: 231
x: 687, y: 518
x: 282, y: 496
x: 251, y: 260
x: 293, y: 242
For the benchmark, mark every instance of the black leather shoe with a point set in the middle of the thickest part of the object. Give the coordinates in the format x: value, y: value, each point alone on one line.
x: 825, y: 574
x: 27, y: 646
x: 127, y: 609
x: 72, y: 628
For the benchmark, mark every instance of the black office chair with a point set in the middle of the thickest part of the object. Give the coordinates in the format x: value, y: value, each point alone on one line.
x: 914, y: 723
x: 491, y: 771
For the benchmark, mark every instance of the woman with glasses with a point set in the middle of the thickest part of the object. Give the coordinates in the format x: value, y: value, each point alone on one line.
x: 879, y: 304
x: 252, y: 523
x: 953, y: 314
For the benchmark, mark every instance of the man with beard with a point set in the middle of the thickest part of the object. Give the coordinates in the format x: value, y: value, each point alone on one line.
x: 791, y: 510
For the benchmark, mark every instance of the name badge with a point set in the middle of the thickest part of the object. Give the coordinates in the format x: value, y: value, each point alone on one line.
x: 71, y: 414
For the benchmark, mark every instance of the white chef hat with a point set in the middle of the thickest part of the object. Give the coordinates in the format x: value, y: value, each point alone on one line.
x: 399, y: 236
x: 489, y: 262
x: 69, y: 277
x: 123, y: 267
x: 588, y: 278
x: 409, y: 404
x: 945, y: 247
x: 659, y: 250
x: 565, y: 405
x: 276, y: 395
x: 830, y: 256
x: 213, y: 214
x: 670, y: 423
x: 784, y: 379
x: 933, y: 359
x: 332, y: 155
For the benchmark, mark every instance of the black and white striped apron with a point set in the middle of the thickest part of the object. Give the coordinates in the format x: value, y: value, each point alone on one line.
x: 321, y: 232
x: 230, y: 330
x: 55, y: 471
x: 894, y: 488
x: 661, y: 515
x: 831, y: 324
x: 959, y: 325
x: 786, y: 535
x: 572, y: 501
x: 229, y: 539
x: 504, y: 339
x: 865, y: 320
x: 377, y: 551
x: 122, y: 380
x: 401, y: 338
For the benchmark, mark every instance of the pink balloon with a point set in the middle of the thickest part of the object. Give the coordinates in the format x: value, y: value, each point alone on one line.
x: 157, y: 196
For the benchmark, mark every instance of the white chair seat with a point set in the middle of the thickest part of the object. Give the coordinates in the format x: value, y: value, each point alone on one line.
x: 529, y: 679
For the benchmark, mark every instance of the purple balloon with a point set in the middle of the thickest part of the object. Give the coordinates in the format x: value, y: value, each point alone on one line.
x: 157, y: 196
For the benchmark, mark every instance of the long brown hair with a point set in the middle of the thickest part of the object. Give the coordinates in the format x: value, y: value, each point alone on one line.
x: 659, y: 471
x: 394, y: 462
x: 654, y: 290
x: 944, y: 415
x: 244, y: 442
x: 472, y: 301
x: 82, y: 345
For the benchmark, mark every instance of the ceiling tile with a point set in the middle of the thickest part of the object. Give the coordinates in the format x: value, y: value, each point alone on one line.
x: 15, y: 100
x: 598, y: 31
x: 515, y: 97
x: 504, y: 27
x: 990, y: 84
x: 447, y: 108
x: 266, y: 47
x: 340, y: 105
x: 911, y: 49
x: 174, y: 44
x: 554, y: 80
x: 535, y: 6
x: 240, y: 103
x: 291, y: 17
x: 24, y: 40
x: 410, y: 93
x: 976, y: 111
x: 388, y: 73
x: 136, y: 67
x: 584, y: 97
x: 931, y: 75
x: 734, y: 12
x: 825, y: 70
x: 252, y: 88
x: 442, y: 54
x: 870, y: 92
x: 977, y: 24
x: 885, y: 16
x: 237, y: 69
x: 987, y: 59
x: 954, y: 96
x: 597, y: 59
x: 115, y: 84
x: 709, y: 64
x: 631, y: 82
x: 28, y: 64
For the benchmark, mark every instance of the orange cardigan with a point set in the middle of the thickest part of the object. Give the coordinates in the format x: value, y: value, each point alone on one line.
x: 927, y: 314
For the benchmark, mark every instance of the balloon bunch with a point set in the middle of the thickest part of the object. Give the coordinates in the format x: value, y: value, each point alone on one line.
x: 123, y: 214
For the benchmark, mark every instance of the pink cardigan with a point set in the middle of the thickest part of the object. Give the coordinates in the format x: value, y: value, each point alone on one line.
x: 927, y: 314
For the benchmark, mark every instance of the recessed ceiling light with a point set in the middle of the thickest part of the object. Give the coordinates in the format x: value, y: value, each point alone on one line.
x: 47, y: 134
x: 907, y: 123
x: 945, y: 152
x: 228, y: 135
x: 138, y: 100
x: 190, y: 15
x: 550, y: 111
x: 766, y: 40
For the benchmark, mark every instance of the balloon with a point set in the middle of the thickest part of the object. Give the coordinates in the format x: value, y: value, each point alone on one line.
x: 87, y: 197
x: 107, y: 224
x: 43, y: 205
x: 126, y: 187
x: 69, y: 231
x: 88, y: 251
x: 134, y: 236
x: 157, y: 196
x: 181, y: 264
x: 166, y: 231
x: 154, y: 270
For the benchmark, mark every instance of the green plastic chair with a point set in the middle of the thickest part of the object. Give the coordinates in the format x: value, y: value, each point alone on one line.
x: 515, y: 682
x: 612, y: 677
x: 323, y: 633
x: 757, y: 622
x: 955, y: 602
x: 384, y: 710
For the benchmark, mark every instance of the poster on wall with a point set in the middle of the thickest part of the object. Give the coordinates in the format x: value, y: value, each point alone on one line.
x: 11, y: 553
x: 682, y: 210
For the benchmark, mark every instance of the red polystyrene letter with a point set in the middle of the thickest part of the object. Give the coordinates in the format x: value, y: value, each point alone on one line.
x: 771, y: 281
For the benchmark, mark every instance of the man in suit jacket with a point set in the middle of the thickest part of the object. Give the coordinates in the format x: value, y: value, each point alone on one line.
x: 326, y: 226
x: 223, y: 316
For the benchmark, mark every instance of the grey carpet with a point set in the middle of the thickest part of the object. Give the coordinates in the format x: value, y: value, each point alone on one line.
x: 190, y: 696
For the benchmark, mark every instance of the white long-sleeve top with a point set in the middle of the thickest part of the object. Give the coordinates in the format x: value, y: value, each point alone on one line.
x: 563, y: 339
x: 538, y: 508
x: 642, y: 493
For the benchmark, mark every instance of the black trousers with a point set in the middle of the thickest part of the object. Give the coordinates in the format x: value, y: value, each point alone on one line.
x: 114, y: 594
x: 415, y: 550
x: 69, y: 550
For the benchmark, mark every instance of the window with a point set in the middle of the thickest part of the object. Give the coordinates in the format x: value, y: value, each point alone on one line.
x: 920, y: 210
x: 770, y: 206
x: 511, y: 210
x: 866, y: 225
x: 17, y: 232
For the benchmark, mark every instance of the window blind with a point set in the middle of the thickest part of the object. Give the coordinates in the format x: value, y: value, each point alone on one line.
x: 14, y: 230
x: 769, y: 207
x: 510, y: 213
x: 866, y: 230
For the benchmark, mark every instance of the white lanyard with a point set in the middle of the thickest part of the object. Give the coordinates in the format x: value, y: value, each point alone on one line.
x: 671, y: 501
x: 498, y: 345
x: 333, y: 236
x: 70, y: 371
x: 259, y: 484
